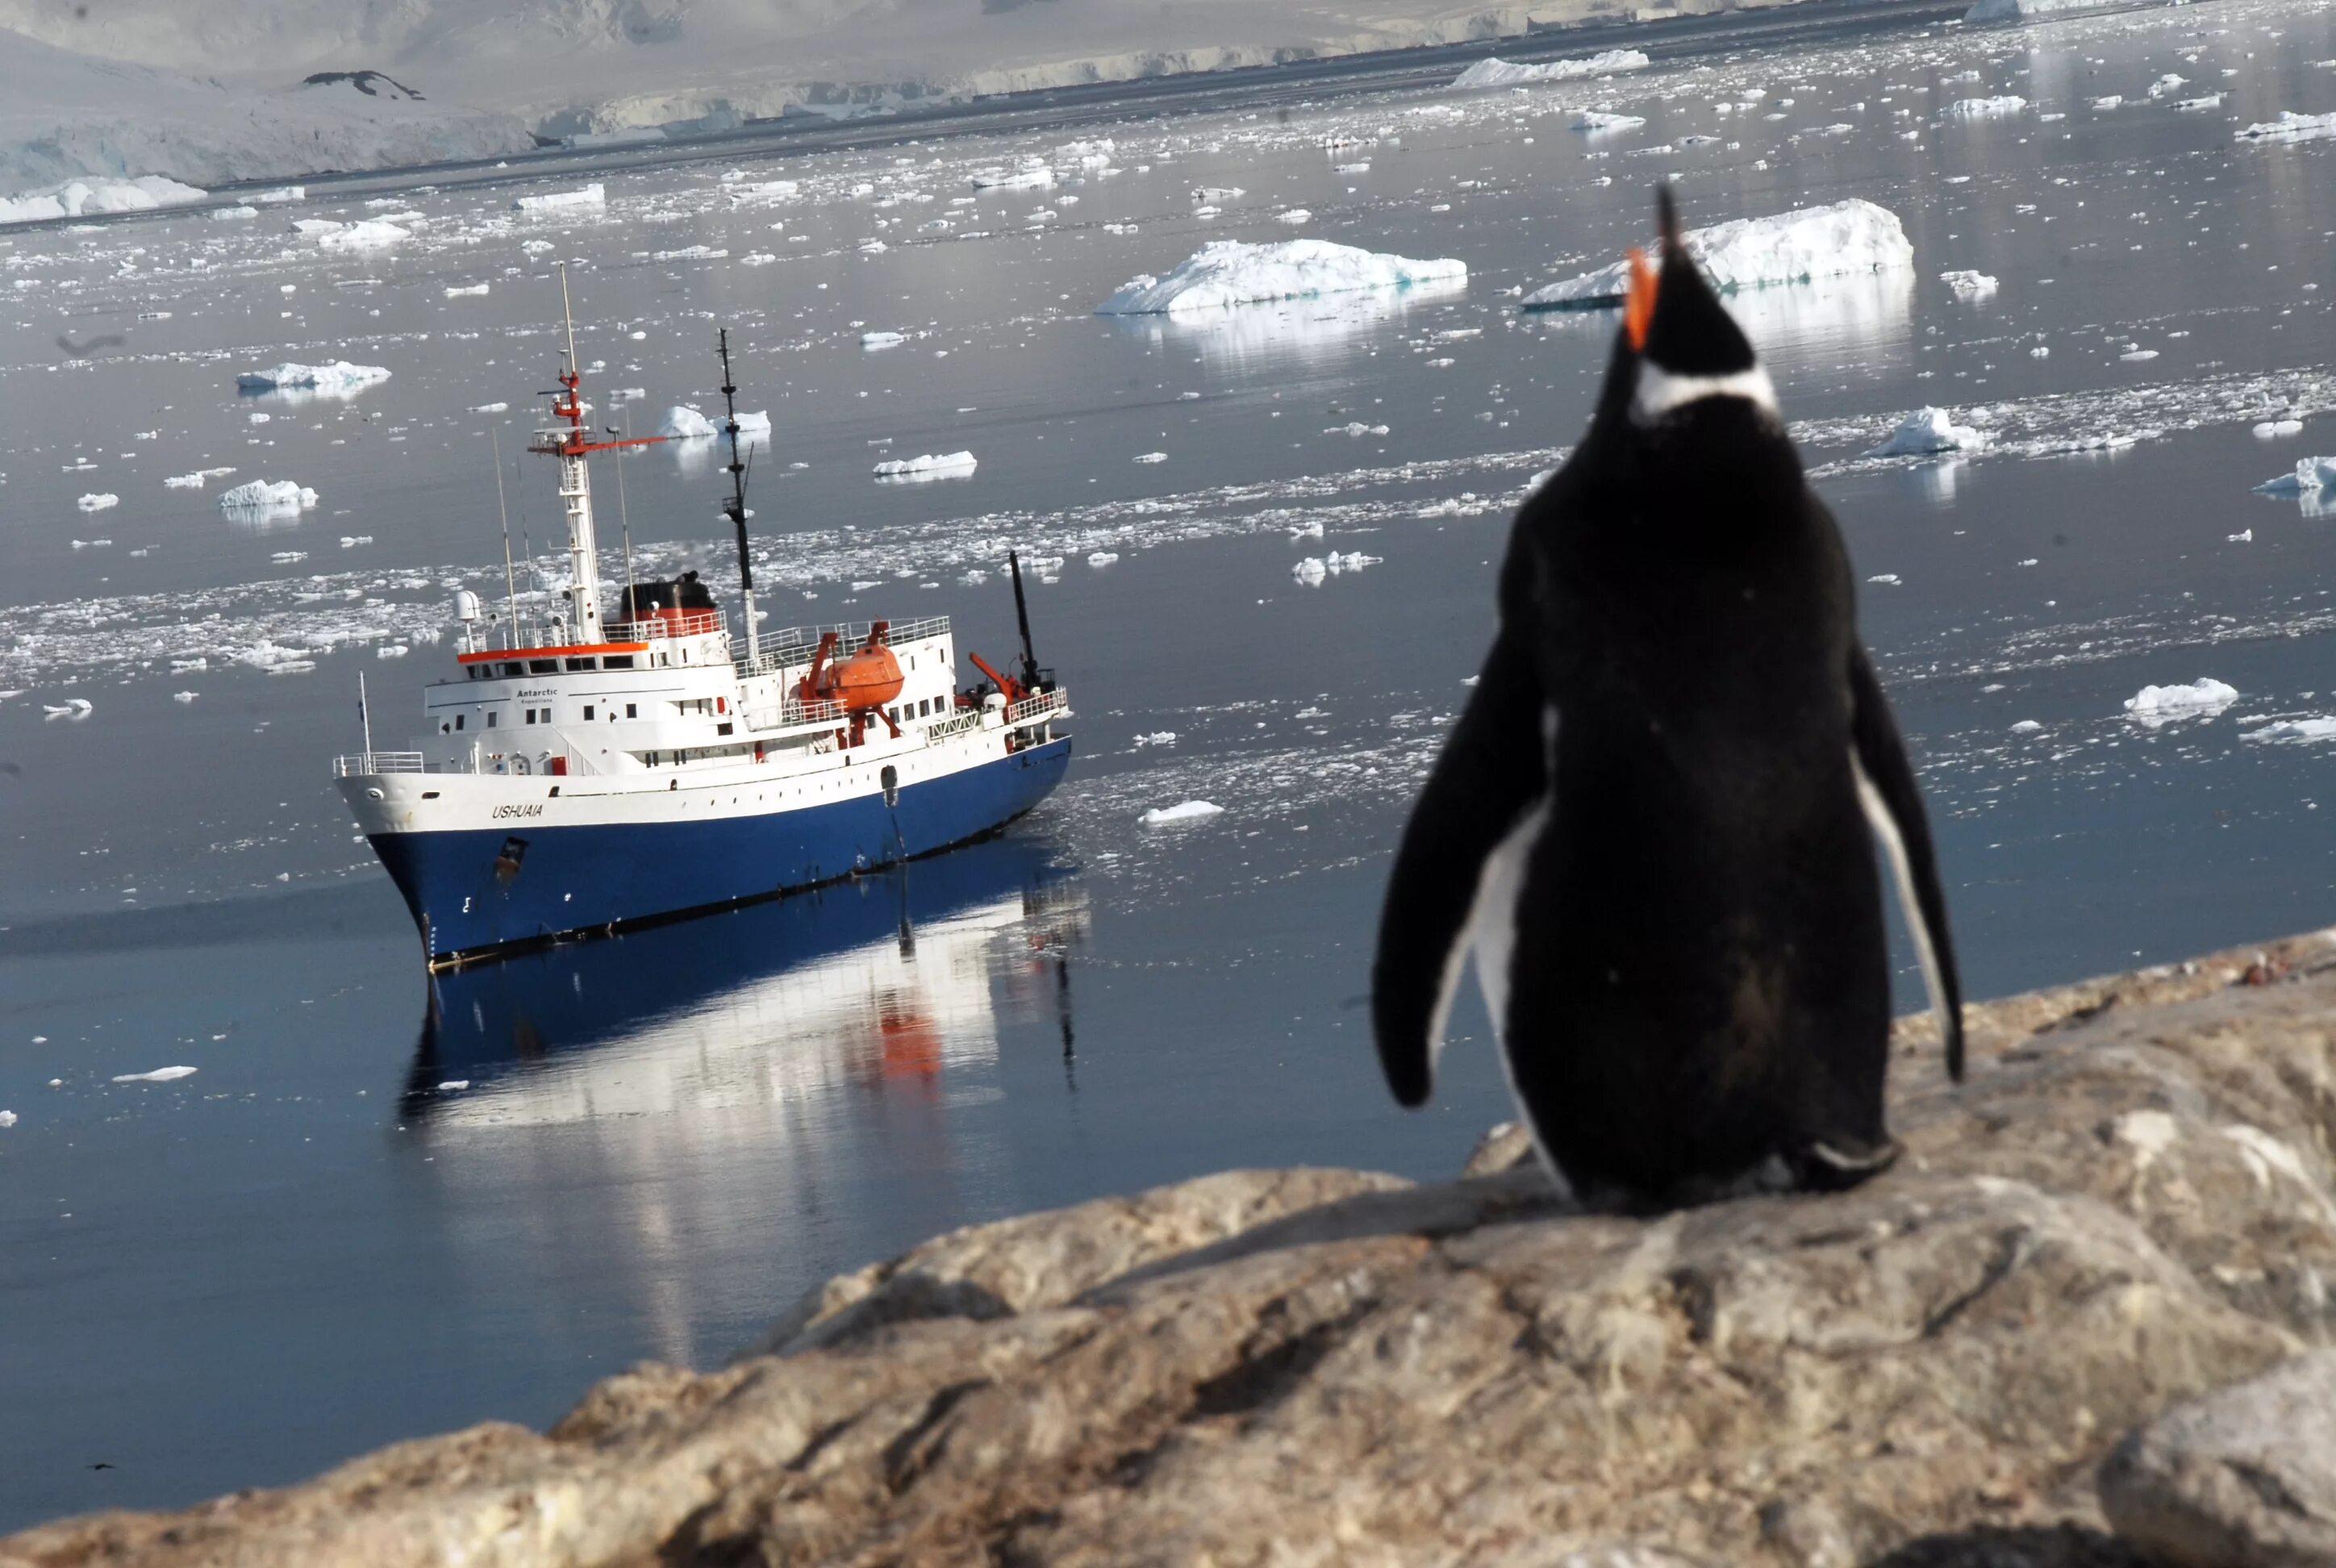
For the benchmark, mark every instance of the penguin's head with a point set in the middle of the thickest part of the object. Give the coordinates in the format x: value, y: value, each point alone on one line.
x: 1679, y: 356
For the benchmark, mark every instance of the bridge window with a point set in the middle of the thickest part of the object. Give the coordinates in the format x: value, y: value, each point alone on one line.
x: 479, y: 671
x: 617, y: 661
x: 544, y: 666
x: 459, y: 718
x: 493, y: 714
x: 588, y: 710
x: 530, y: 715
x: 631, y: 712
x: 583, y: 664
x: 513, y: 668
x: 721, y: 729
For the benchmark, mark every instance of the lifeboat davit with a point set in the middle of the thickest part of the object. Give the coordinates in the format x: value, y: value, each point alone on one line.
x: 867, y: 679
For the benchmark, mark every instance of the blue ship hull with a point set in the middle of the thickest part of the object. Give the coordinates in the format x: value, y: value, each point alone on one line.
x: 469, y: 901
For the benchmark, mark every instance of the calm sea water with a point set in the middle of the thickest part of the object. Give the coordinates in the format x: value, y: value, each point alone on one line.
x: 383, y: 1206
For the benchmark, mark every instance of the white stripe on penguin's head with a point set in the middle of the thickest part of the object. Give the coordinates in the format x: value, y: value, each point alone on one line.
x: 1689, y: 347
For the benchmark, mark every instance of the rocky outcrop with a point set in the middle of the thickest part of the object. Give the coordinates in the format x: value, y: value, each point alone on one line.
x: 2244, y: 1477
x: 2129, y: 1205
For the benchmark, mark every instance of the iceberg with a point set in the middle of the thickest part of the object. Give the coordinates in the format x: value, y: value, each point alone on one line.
x: 2291, y: 127
x: 683, y: 423
x: 947, y: 466
x: 592, y: 195
x: 338, y: 379
x: 99, y: 501
x: 1846, y: 239
x: 1985, y: 108
x: 1969, y: 285
x: 1596, y: 122
x: 1488, y: 73
x: 1228, y: 272
x: 1927, y: 431
x: 266, y: 498
x: 373, y: 234
x: 2311, y: 475
x: 2204, y: 695
x: 86, y: 198
x: 1190, y: 811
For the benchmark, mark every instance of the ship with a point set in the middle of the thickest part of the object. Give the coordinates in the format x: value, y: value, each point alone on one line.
x: 600, y: 765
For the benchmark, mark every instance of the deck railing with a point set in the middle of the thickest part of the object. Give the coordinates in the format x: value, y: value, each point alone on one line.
x: 659, y: 628
x: 377, y: 762
x: 1038, y: 706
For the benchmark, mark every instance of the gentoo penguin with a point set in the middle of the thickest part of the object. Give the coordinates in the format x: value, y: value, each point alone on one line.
x: 1655, y: 823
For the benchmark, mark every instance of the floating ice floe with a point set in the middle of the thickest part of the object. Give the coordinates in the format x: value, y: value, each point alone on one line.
x: 7, y: 1118
x: 1102, y: 557
x: 1190, y: 811
x: 2295, y: 730
x: 461, y: 291
x: 373, y: 234
x: 592, y: 195
x: 683, y: 423
x: 2025, y: 726
x: 1311, y: 571
x: 882, y: 339
x: 98, y: 502
x: 2203, y: 698
x: 2310, y: 475
x: 1502, y: 73
x: 2291, y: 127
x: 1151, y: 457
x: 1845, y: 238
x: 184, y: 696
x: 266, y: 498
x: 1294, y: 215
x: 159, y: 1076
x: 337, y: 379
x: 1598, y: 122
x: 1927, y: 432
x: 944, y: 465
x: 2271, y: 429
x: 87, y: 197
x: 1031, y: 176
x: 1157, y: 738
x: 1986, y: 108
x: 1229, y: 272
x: 1969, y: 285
x: 72, y: 707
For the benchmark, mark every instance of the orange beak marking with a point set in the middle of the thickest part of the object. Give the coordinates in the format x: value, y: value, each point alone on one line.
x: 1639, y: 308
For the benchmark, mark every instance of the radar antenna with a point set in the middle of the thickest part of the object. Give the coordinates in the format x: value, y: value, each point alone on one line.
x: 735, y: 509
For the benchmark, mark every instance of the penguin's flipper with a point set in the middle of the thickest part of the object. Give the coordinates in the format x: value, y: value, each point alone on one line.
x: 1894, y: 806
x: 1493, y: 771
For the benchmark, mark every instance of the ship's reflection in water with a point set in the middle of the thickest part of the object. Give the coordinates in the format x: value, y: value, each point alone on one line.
x: 712, y: 1116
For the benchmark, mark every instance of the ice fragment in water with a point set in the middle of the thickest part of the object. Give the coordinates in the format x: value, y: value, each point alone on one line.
x: 1190, y: 811
x: 1969, y: 285
x: 1926, y: 430
x: 942, y: 465
x: 1230, y: 272
x: 2203, y: 696
x: 337, y: 379
x: 1844, y: 239
x: 98, y: 502
x: 268, y: 496
x: 1502, y: 73
x: 159, y: 1076
x: 1986, y: 108
x: 592, y: 195
x: 2291, y: 127
x: 2311, y: 475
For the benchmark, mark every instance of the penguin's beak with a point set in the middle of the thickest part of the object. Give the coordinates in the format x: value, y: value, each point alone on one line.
x: 1639, y: 305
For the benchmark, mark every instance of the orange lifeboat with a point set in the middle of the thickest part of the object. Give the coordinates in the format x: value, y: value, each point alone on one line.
x: 867, y: 679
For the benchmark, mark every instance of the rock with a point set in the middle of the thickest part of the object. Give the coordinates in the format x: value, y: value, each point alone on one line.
x: 2128, y: 1205
x: 1505, y: 1147
x: 2244, y: 1477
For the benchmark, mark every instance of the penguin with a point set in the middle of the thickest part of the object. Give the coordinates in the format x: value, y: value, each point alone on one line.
x: 1655, y: 823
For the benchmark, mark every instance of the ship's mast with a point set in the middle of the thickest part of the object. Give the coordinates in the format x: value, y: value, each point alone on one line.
x: 566, y: 442
x: 735, y: 509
